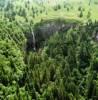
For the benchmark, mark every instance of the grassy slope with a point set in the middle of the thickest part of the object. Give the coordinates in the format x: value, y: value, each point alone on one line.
x: 72, y: 13
x: 62, y: 13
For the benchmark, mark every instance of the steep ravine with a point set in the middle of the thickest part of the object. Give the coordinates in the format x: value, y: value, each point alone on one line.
x: 44, y: 30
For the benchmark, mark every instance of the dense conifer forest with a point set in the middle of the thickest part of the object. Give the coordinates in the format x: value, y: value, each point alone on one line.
x: 48, y: 49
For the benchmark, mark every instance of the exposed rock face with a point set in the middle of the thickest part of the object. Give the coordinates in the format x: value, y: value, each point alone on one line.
x: 44, y: 30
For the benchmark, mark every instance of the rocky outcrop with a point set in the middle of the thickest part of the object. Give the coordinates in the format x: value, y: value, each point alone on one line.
x: 45, y: 29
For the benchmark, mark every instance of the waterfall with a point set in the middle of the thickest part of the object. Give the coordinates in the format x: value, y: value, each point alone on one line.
x: 33, y: 40
x: 89, y: 2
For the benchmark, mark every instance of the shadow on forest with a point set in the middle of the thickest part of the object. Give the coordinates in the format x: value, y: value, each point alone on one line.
x: 43, y: 30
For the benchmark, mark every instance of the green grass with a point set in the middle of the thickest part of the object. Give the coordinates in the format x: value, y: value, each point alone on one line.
x: 72, y: 13
x: 63, y: 13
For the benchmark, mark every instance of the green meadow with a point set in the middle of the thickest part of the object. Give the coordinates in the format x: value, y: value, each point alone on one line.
x: 70, y: 10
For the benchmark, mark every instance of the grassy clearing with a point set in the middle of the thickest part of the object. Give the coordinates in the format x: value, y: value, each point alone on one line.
x: 68, y: 10
x: 72, y: 13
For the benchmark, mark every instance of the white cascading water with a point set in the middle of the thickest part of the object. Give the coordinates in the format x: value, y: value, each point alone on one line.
x: 33, y: 40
